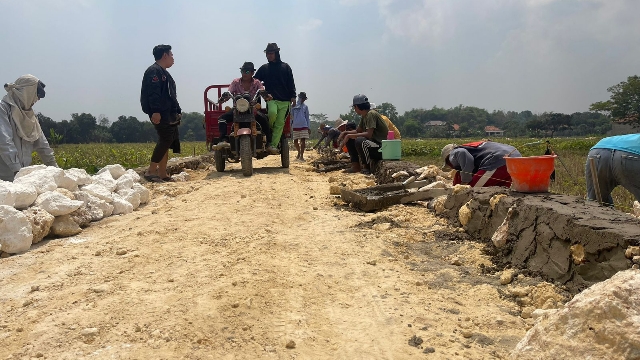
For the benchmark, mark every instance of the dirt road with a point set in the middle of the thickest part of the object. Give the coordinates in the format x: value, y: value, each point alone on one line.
x: 272, y: 266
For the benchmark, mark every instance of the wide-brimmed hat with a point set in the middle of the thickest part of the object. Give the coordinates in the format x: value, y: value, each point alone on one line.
x: 446, y: 151
x: 303, y: 95
x: 272, y: 47
x: 248, y: 66
x: 340, y: 122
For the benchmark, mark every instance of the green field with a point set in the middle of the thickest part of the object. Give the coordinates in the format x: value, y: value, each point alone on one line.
x: 571, y: 152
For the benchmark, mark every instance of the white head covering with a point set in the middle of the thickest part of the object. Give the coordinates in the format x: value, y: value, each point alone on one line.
x: 21, y: 95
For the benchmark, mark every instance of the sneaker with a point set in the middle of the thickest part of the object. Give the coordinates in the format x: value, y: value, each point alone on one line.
x: 273, y: 151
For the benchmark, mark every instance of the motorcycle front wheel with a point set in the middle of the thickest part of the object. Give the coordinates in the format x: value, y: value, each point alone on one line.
x: 284, y: 152
x: 219, y: 160
x: 246, y: 157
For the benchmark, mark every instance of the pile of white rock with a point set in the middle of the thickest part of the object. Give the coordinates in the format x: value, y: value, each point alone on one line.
x: 46, y: 200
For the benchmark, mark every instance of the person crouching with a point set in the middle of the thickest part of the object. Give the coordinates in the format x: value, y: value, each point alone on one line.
x: 479, y: 164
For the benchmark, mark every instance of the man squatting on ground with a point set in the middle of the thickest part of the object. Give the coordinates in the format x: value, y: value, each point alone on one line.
x: 159, y: 100
x: 330, y: 134
x: 244, y: 84
x: 301, y: 125
x: 20, y: 132
x: 364, y: 142
x: 617, y: 161
x: 479, y: 163
x: 277, y: 77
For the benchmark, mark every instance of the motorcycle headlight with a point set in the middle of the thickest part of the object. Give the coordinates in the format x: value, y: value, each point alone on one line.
x: 242, y: 105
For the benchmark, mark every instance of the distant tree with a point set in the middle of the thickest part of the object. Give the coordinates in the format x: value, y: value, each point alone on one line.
x: 192, y: 127
x: 82, y: 128
x: 127, y: 129
x: 46, y: 124
x: 389, y: 110
x: 319, y: 118
x: 624, y: 103
x: 351, y: 116
x: 412, y: 129
x: 103, y: 120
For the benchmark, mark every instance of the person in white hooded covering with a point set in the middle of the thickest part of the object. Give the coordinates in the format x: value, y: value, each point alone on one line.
x: 20, y: 132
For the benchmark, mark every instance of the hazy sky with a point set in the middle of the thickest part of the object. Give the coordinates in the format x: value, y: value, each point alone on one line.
x: 538, y: 55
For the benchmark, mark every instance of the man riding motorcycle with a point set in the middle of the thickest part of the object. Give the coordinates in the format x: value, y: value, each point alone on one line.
x: 244, y: 84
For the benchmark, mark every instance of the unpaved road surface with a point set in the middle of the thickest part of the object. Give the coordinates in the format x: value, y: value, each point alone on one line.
x: 228, y: 267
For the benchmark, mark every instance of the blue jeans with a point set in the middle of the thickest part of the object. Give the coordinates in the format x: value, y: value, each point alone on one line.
x: 613, y: 168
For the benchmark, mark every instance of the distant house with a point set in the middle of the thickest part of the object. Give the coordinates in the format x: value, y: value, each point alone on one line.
x: 493, y: 131
x: 455, y: 130
x: 435, y: 123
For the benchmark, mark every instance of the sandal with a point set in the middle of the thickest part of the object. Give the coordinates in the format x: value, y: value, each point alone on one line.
x: 349, y: 171
x: 153, y: 178
x: 365, y: 172
x: 168, y: 179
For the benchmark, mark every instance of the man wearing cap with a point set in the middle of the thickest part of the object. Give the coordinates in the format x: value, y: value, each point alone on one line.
x: 20, y: 132
x: 277, y: 77
x: 480, y: 163
x: 301, y: 125
x: 158, y: 99
x: 364, y: 142
x: 244, y: 84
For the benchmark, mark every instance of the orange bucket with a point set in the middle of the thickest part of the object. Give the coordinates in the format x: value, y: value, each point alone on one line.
x: 531, y: 174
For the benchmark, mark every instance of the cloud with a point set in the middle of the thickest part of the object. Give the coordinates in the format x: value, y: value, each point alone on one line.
x: 311, y: 24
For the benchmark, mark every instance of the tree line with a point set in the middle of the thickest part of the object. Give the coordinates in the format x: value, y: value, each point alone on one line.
x: 460, y: 121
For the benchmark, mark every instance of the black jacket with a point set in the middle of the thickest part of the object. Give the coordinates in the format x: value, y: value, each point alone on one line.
x: 278, y: 80
x: 158, y: 92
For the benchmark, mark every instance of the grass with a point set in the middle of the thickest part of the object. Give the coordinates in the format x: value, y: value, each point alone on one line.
x: 571, y: 153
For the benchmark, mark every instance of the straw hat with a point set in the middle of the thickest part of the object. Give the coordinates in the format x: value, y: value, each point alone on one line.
x: 446, y: 151
x: 340, y: 122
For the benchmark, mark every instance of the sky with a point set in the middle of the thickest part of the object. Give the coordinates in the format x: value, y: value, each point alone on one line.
x: 537, y: 55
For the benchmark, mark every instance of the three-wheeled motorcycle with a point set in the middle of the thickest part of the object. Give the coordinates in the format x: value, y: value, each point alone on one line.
x: 246, y: 138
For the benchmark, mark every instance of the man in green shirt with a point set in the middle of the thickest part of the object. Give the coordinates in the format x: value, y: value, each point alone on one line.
x: 364, y: 142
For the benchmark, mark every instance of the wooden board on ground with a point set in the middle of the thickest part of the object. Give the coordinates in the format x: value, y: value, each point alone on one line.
x: 381, y: 196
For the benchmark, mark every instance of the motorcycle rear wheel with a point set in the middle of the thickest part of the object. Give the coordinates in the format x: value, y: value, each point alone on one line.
x: 284, y: 152
x: 219, y: 160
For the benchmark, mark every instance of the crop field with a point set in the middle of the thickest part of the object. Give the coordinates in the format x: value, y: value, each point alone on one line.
x: 570, y: 179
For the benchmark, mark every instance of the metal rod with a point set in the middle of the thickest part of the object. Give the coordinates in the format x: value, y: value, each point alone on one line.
x: 594, y: 177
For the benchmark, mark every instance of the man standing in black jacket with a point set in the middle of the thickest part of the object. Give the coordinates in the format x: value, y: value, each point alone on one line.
x: 278, y: 81
x: 159, y: 100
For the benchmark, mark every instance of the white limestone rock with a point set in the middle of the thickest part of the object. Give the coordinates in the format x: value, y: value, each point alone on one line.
x: 82, y: 216
x: 182, y: 177
x: 105, y: 179
x: 98, y: 209
x: 64, y: 226
x: 125, y: 182
x: 501, y: 236
x: 602, y: 322
x: 66, y: 193
x: 25, y: 194
x: 29, y: 169
x: 16, y: 234
x: 434, y: 185
x: 132, y: 196
x: 121, y: 206
x: 41, y: 222
x: 80, y: 176
x: 464, y: 213
x: 42, y: 180
x: 145, y: 194
x: 7, y: 197
x: 115, y: 170
x: 98, y: 191
x: 134, y: 175
x: 57, y: 204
